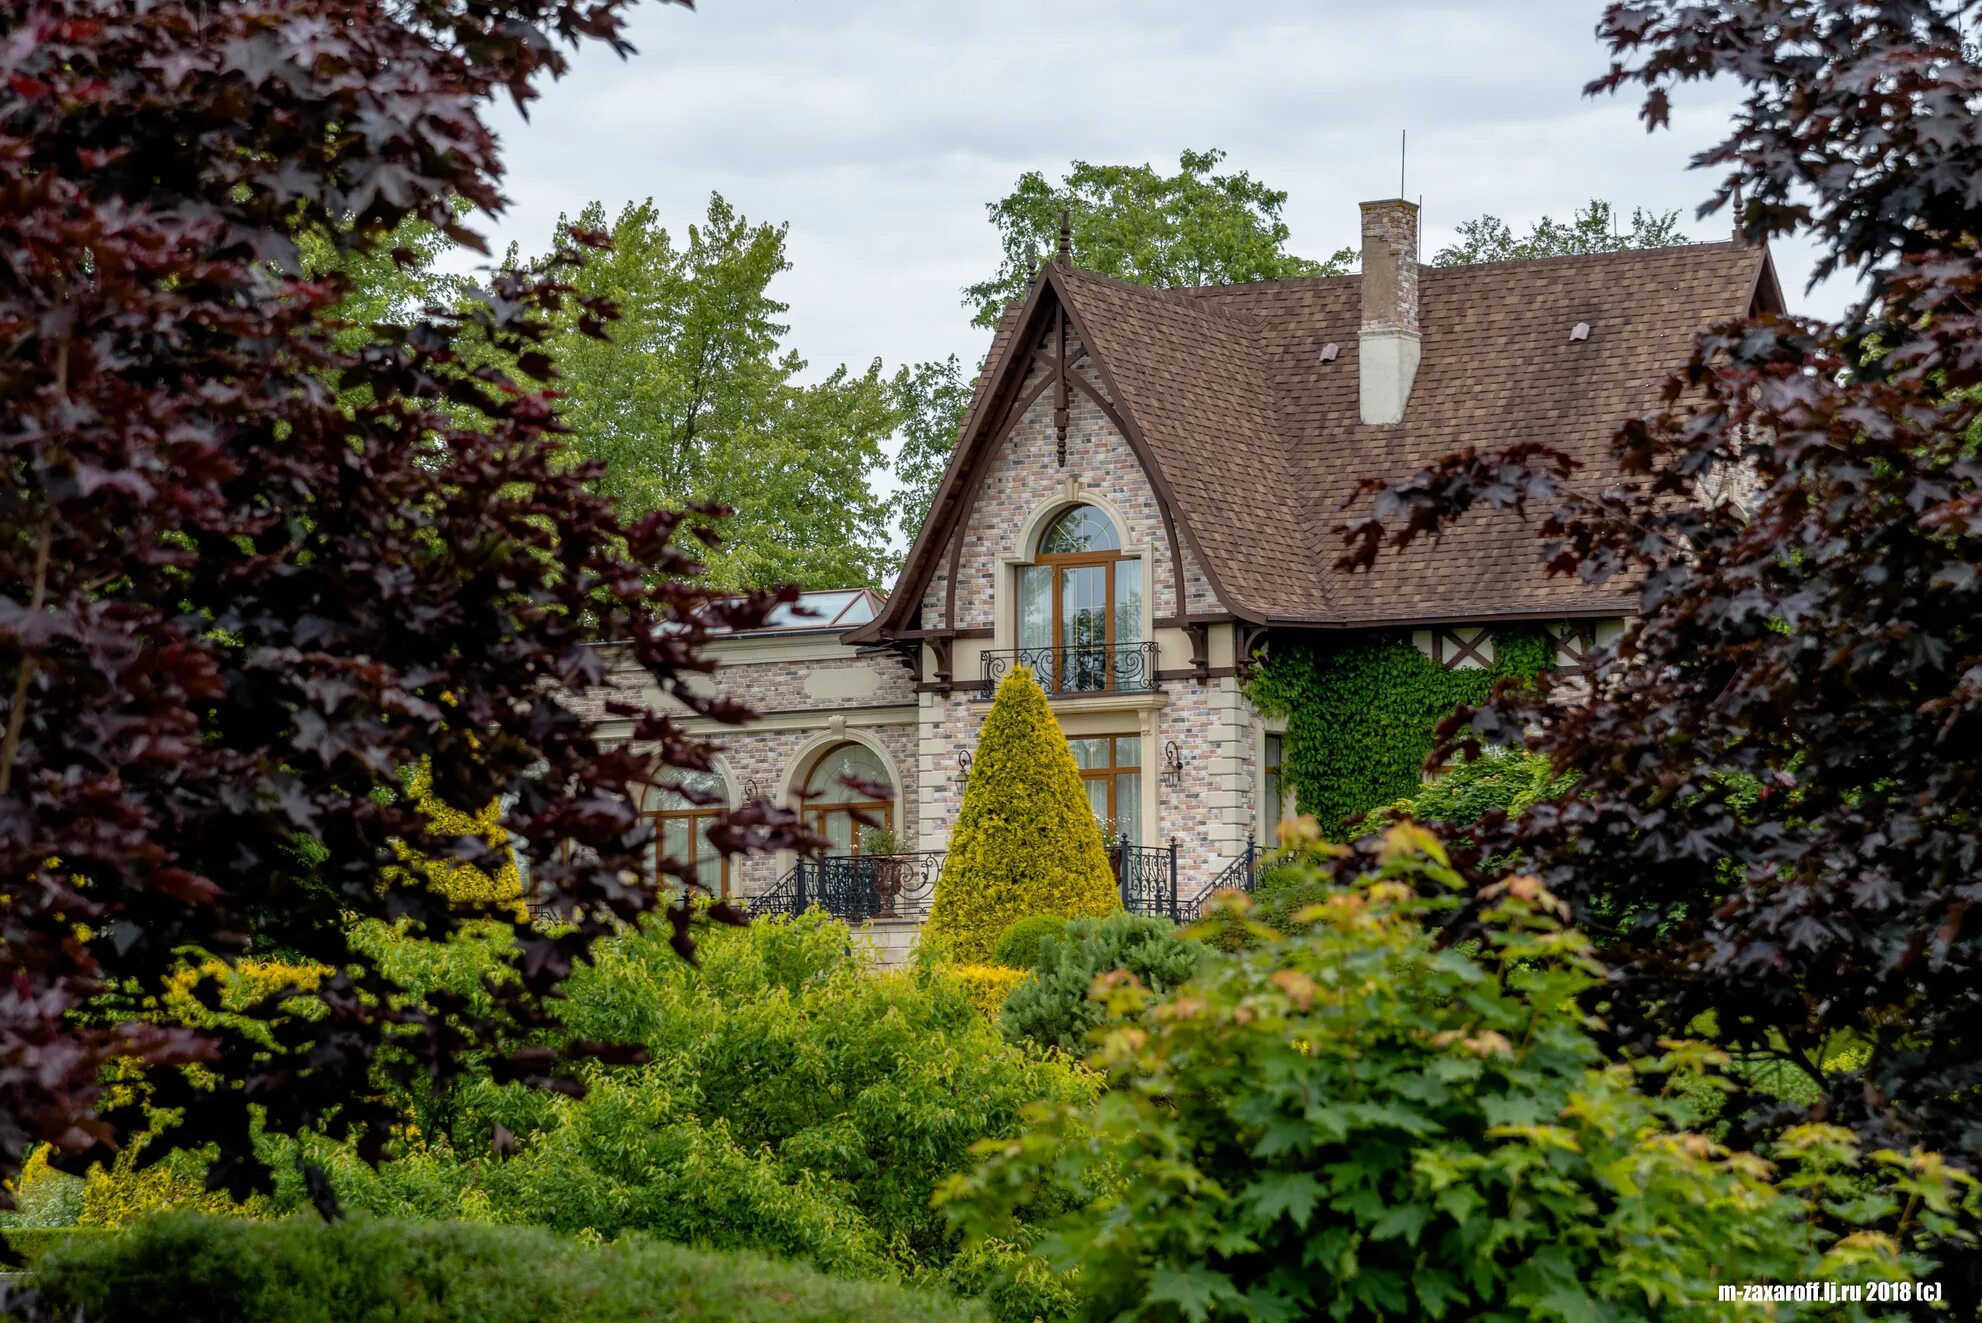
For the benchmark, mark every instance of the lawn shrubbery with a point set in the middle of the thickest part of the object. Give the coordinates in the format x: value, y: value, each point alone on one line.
x: 1359, y: 1122
x: 1051, y: 1008
x: 1022, y: 943
x: 796, y: 1101
x: 188, y: 1269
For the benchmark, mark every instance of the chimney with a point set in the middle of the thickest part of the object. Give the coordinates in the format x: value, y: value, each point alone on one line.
x: 1388, y: 351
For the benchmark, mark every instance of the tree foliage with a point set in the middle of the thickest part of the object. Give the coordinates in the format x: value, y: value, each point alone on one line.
x: 694, y: 399
x: 1361, y: 1123
x: 1591, y: 229
x: 1025, y: 841
x: 253, y: 567
x: 930, y: 401
x: 1776, y: 782
x: 1194, y: 227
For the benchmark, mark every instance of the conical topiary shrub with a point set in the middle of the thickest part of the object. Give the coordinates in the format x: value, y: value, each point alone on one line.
x: 1025, y: 841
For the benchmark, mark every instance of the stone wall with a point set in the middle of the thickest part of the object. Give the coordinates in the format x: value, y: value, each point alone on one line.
x: 1024, y: 476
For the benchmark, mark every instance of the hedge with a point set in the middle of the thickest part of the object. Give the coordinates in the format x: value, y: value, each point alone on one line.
x: 184, y: 1268
x: 31, y: 1243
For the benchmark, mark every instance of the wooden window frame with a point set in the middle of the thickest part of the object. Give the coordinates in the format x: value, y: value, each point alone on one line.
x: 815, y: 813
x: 1056, y: 621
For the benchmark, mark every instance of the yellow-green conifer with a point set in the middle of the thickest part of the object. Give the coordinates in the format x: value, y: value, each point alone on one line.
x: 1025, y: 840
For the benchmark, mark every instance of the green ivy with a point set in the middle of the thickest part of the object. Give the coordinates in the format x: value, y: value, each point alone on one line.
x: 1360, y: 714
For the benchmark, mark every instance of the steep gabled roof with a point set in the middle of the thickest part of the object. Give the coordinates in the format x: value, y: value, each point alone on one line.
x: 1254, y: 443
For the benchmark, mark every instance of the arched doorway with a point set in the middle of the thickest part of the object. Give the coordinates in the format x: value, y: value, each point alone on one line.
x: 831, y: 804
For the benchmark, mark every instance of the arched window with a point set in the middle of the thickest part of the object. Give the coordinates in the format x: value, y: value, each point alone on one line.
x: 1080, y: 607
x: 832, y: 803
x: 681, y: 826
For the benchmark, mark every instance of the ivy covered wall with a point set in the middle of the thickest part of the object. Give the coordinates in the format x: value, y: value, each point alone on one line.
x: 1360, y: 713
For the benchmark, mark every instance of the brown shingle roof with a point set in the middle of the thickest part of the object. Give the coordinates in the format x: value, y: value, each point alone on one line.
x: 1258, y: 442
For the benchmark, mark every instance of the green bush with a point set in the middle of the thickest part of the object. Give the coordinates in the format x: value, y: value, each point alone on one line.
x: 1360, y: 1123
x: 796, y: 1102
x: 1051, y: 1008
x: 1023, y: 942
x: 32, y: 1243
x: 1505, y: 779
x: 1025, y: 840
x: 182, y: 1268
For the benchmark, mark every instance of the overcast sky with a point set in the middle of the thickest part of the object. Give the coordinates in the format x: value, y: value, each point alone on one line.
x: 878, y: 129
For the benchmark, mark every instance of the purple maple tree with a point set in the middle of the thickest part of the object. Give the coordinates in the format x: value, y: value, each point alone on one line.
x: 1779, y: 813
x: 236, y: 606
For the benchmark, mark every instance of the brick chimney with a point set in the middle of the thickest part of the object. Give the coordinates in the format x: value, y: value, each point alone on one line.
x: 1388, y: 347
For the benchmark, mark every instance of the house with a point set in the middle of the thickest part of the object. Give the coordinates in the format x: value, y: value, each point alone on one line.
x: 1145, y: 491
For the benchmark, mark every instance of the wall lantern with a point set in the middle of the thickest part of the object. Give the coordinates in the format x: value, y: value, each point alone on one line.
x: 963, y: 766
x: 1173, y: 764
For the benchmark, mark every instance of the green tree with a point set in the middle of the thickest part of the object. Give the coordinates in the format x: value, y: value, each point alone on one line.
x: 929, y: 400
x: 1025, y: 841
x: 1171, y: 231
x: 695, y: 399
x: 1591, y: 229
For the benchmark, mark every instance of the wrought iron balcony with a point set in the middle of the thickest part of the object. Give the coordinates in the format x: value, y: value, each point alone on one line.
x: 1126, y: 668
x: 857, y: 887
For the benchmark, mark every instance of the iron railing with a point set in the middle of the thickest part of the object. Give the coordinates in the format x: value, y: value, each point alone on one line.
x: 1126, y: 668
x: 1146, y: 876
x: 1242, y: 874
x: 857, y: 887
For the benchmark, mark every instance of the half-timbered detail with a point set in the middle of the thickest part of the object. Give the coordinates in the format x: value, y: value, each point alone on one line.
x: 1148, y: 490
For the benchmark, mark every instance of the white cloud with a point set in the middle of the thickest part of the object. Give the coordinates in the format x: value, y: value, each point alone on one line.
x: 879, y: 130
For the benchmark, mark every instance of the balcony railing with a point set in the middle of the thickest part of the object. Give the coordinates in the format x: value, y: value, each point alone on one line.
x: 1126, y: 668
x: 860, y: 888
x: 857, y: 887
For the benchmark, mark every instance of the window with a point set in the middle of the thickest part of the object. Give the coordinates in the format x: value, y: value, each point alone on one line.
x: 1080, y: 607
x: 1271, y: 786
x: 831, y: 808
x: 1111, y: 773
x: 681, y: 827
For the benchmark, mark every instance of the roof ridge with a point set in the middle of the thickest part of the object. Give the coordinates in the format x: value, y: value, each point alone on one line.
x: 1168, y: 294
x: 1564, y: 259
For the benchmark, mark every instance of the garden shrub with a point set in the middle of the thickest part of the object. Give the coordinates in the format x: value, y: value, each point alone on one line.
x: 795, y: 1101
x: 187, y: 1269
x: 1051, y: 1008
x: 32, y: 1243
x: 43, y: 1196
x: 1021, y: 944
x: 128, y: 1191
x: 1025, y: 841
x: 1361, y: 1123
x: 1508, y: 780
x: 988, y: 985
